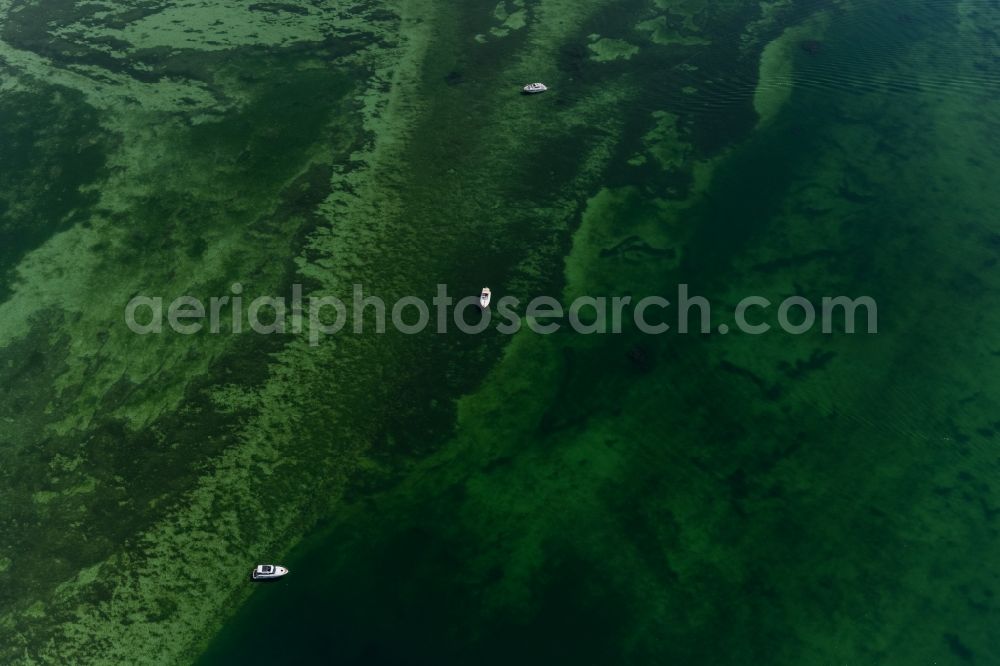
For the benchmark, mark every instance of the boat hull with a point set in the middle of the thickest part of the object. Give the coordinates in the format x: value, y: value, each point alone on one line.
x: 274, y: 574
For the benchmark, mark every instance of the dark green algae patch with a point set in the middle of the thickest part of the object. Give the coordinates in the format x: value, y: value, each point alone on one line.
x: 53, y: 147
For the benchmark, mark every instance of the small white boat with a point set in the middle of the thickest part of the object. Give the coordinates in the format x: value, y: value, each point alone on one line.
x: 268, y: 572
x: 484, y: 298
x: 535, y: 88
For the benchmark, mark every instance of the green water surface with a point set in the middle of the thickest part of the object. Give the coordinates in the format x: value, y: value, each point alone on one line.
x: 453, y: 499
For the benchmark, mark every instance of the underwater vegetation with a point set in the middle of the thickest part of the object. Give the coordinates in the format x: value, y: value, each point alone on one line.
x: 451, y: 498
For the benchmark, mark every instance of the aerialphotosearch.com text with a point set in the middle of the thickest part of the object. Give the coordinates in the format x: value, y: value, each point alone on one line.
x: 321, y: 316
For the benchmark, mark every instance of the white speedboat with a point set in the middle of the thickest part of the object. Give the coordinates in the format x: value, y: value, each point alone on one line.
x: 484, y: 298
x: 268, y: 572
x: 535, y: 88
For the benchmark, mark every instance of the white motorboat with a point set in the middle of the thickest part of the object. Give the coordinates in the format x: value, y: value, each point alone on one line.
x: 268, y: 572
x: 484, y: 298
x: 535, y: 88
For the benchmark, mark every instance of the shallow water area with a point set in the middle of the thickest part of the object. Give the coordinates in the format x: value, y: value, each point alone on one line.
x: 717, y: 498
